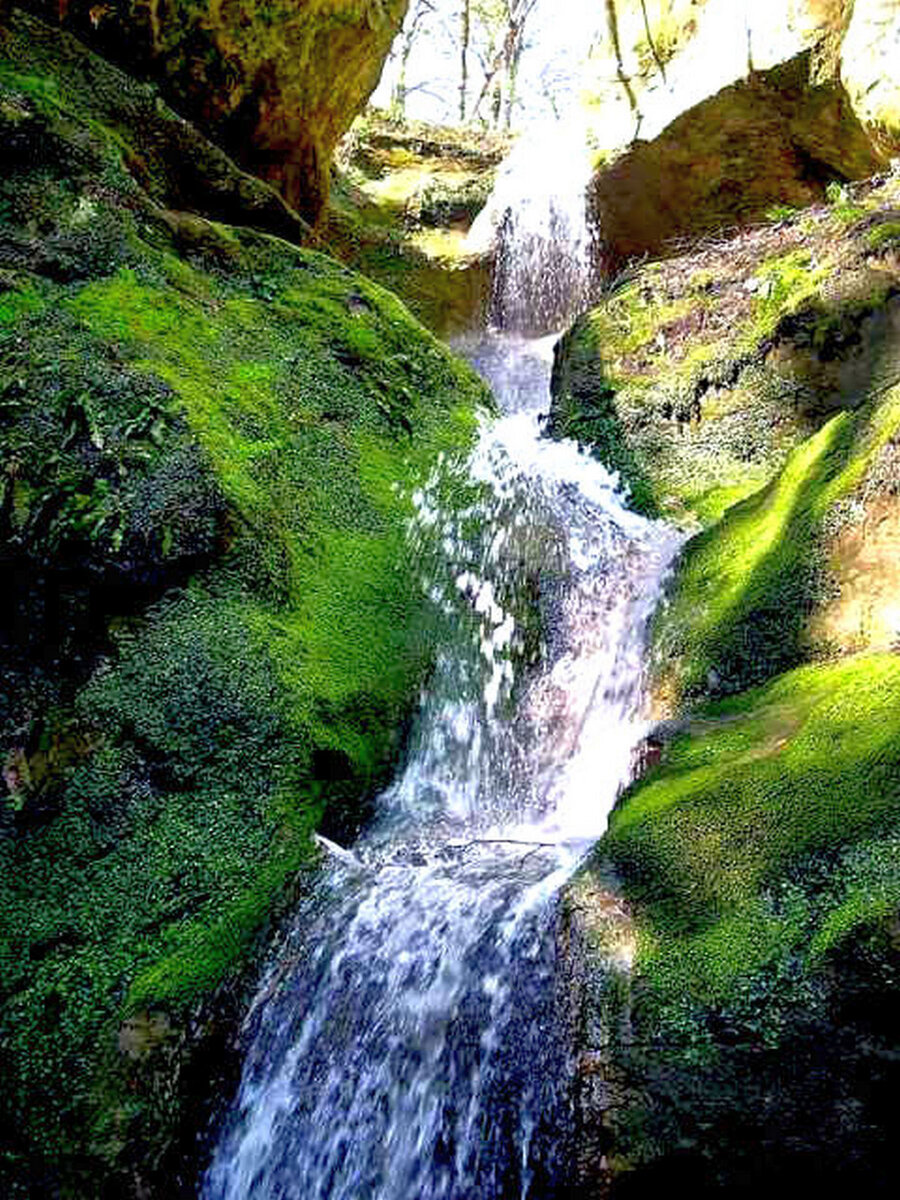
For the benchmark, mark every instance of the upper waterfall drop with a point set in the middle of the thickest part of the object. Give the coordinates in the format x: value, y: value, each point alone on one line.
x: 537, y: 224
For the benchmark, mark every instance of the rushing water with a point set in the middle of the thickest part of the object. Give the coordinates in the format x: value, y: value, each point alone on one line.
x: 537, y: 224
x: 409, y: 1042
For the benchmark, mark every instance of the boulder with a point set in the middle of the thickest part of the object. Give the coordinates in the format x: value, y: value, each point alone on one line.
x: 275, y: 84
x: 775, y: 138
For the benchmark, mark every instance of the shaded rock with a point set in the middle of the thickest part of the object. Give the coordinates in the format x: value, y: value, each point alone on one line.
x: 169, y: 159
x: 404, y: 197
x: 775, y: 138
x: 274, y: 84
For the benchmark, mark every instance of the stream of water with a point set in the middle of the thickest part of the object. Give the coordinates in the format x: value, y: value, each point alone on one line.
x: 409, y: 1043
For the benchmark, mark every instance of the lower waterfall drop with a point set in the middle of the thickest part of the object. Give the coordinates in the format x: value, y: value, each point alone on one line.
x: 408, y: 1042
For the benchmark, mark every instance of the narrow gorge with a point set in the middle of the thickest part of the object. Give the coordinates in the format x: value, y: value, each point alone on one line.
x: 449, y: 677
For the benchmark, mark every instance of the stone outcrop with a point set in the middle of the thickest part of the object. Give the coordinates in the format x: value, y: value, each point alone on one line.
x: 275, y: 84
x: 661, y: 57
x: 775, y: 138
x: 710, y: 112
x: 403, y: 200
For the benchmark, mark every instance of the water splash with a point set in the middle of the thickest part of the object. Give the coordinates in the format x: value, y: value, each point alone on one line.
x: 408, y: 1041
x: 535, y: 221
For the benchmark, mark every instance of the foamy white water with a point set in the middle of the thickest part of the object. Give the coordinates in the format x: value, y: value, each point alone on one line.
x: 409, y: 1042
x: 536, y: 223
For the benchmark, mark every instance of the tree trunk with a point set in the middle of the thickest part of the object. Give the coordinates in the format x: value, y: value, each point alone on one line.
x: 464, y: 34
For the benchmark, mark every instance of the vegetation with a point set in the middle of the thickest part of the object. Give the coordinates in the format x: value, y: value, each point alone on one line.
x: 698, y: 376
x: 752, y: 384
x: 209, y: 441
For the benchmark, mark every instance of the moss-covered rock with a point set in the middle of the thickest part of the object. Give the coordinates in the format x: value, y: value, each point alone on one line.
x: 275, y: 84
x: 212, y: 631
x: 696, y: 376
x: 747, y: 987
x: 404, y: 198
x: 171, y: 161
x: 737, y: 929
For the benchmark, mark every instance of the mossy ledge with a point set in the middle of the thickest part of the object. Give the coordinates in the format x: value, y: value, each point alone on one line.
x: 213, y: 633
x: 738, y: 924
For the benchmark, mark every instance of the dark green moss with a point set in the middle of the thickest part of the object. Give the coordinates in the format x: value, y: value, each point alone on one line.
x: 209, y: 442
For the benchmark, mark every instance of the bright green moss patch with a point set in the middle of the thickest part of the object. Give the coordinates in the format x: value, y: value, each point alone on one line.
x: 716, y: 844
x: 740, y: 605
x: 216, y: 632
x: 884, y: 235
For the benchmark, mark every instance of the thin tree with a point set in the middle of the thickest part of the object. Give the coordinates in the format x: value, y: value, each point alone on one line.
x: 504, y: 24
x: 413, y: 26
x: 465, y: 33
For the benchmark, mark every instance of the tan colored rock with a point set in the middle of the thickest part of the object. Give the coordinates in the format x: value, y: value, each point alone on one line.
x: 870, y: 64
x: 773, y: 139
x: 274, y: 83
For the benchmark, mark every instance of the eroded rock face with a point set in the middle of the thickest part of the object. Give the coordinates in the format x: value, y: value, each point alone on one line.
x: 774, y: 138
x: 276, y: 84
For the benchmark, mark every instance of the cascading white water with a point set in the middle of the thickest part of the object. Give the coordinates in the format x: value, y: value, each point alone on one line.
x: 537, y: 225
x: 407, y: 1042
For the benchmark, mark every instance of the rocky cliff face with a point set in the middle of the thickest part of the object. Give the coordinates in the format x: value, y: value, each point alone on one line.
x: 737, y: 1035
x: 275, y: 84
x: 869, y: 56
x: 212, y: 634
x: 776, y: 138
x: 728, y: 109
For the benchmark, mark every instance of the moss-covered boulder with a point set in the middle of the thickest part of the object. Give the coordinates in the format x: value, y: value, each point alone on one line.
x: 734, y: 939
x: 275, y: 84
x: 212, y: 631
x: 404, y: 198
x: 696, y: 376
x: 739, y: 999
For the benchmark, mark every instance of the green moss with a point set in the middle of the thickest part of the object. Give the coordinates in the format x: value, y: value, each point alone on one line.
x: 718, y: 844
x: 209, y: 458
x: 745, y: 588
x: 673, y: 397
x: 882, y: 236
x: 785, y: 283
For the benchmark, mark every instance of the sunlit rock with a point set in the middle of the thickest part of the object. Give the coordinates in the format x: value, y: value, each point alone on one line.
x: 869, y: 58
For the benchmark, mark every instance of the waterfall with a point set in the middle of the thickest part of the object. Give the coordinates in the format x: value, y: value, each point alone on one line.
x: 536, y: 224
x: 407, y: 1042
